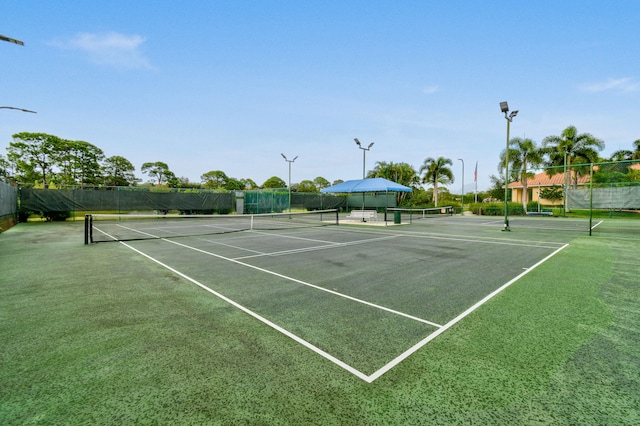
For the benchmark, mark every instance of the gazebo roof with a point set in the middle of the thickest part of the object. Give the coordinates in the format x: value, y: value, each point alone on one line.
x: 367, y: 185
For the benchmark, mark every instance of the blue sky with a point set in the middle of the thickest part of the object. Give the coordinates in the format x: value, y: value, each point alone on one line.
x: 229, y: 85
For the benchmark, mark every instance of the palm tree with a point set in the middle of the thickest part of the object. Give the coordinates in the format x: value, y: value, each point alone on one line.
x: 621, y: 155
x: 435, y: 172
x: 636, y: 153
x: 401, y: 173
x: 571, y: 147
x: 523, y: 153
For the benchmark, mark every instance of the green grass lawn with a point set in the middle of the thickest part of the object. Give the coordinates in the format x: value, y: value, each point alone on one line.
x: 106, y: 337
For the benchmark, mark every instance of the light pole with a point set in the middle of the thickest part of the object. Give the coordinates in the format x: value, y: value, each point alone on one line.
x: 289, y: 161
x: 364, y: 153
x: 462, y: 199
x: 504, y: 107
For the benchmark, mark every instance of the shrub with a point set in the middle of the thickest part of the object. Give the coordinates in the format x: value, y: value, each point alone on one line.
x: 56, y: 216
x: 497, y: 209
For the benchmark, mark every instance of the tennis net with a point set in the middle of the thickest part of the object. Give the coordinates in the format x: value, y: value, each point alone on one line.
x: 130, y: 227
x: 400, y: 213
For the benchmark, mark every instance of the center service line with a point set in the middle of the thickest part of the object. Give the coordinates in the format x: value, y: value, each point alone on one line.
x: 364, y: 302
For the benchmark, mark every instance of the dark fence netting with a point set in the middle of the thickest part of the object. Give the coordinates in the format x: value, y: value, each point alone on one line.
x: 59, y: 204
x: 8, y: 206
x: 256, y: 202
x: 607, y: 197
x: 378, y: 200
x: 123, y: 200
x: 311, y: 201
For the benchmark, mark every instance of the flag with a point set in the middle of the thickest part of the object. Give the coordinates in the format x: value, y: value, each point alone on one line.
x: 475, y: 173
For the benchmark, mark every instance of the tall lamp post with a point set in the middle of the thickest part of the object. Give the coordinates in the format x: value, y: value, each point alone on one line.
x: 462, y: 199
x: 364, y: 153
x: 504, y: 107
x: 289, y: 161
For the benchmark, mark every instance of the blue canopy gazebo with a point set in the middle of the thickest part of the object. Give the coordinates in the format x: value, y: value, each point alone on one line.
x: 367, y: 185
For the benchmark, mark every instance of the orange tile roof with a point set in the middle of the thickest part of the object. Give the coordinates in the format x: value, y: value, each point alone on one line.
x: 543, y: 179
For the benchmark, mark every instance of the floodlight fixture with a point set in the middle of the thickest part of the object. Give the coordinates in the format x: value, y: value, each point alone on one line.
x: 11, y: 40
x: 364, y: 155
x: 504, y: 107
x: 18, y: 109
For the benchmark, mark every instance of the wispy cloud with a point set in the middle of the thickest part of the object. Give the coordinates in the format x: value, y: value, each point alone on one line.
x: 111, y: 49
x: 429, y: 90
x: 613, y: 84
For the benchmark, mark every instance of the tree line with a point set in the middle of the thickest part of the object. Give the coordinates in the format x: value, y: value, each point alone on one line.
x: 43, y: 159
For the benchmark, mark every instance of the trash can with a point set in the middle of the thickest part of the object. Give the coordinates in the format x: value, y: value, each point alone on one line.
x: 397, y: 217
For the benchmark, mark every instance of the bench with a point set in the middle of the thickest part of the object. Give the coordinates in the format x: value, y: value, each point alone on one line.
x: 363, y: 215
x: 543, y: 213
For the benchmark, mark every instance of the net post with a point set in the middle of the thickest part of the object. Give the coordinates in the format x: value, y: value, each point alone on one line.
x: 87, y: 227
x: 590, y: 198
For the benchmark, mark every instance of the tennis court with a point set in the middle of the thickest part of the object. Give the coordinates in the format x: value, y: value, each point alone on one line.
x: 363, y: 297
x: 352, y: 324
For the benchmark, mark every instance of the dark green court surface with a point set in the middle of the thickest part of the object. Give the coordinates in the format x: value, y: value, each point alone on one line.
x: 442, y: 321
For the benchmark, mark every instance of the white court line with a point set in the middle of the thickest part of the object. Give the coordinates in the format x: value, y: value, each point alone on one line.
x: 328, y: 245
x: 260, y: 253
x: 487, y: 240
x: 504, y: 243
x: 366, y: 378
x: 483, y: 240
x: 597, y: 224
x: 294, y: 237
x: 295, y: 280
x: 451, y: 323
x: 258, y: 317
x: 345, y: 296
x: 325, y: 247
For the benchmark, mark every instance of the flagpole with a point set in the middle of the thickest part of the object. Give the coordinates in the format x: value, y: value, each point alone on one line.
x: 475, y: 180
